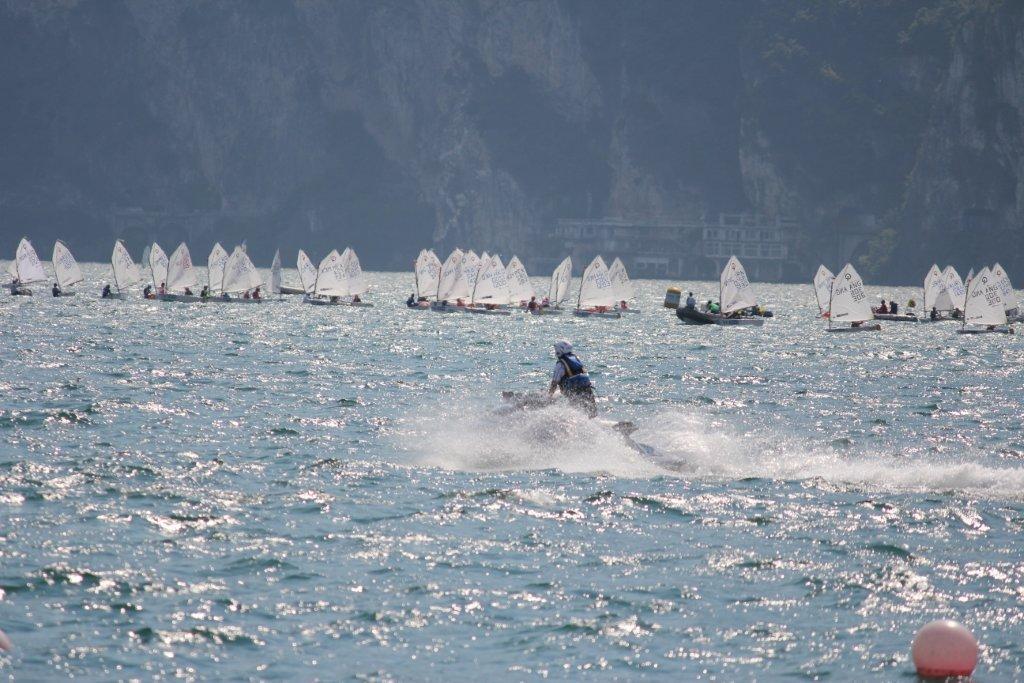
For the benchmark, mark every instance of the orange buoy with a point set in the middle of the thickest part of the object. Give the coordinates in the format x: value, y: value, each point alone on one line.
x: 944, y: 648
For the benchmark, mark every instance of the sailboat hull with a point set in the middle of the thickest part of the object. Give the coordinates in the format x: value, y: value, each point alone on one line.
x: 327, y: 302
x: 179, y: 298
x: 292, y: 290
x: 580, y: 313
x: 486, y: 311
x: 233, y: 300
x: 896, y: 318
x: 116, y: 296
x: 438, y: 307
x: 983, y: 330
x: 546, y: 310
x: 863, y: 328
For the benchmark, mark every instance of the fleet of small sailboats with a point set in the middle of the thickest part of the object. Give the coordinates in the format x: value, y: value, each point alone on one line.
x: 483, y: 284
x: 339, y: 280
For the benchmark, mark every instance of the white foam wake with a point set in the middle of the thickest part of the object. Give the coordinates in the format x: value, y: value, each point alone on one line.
x: 692, y: 445
x: 556, y: 437
x: 695, y: 445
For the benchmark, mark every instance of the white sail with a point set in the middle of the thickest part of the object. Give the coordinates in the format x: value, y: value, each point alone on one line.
x: 239, y: 273
x: 126, y: 273
x: 596, y: 287
x: 970, y: 276
x: 27, y: 264
x: 823, y: 287
x: 934, y: 288
x: 1005, y: 287
x: 519, y: 287
x: 735, y: 292
x: 470, y: 270
x: 158, y: 265
x: 275, y: 273
x: 215, y: 266
x: 955, y: 291
x: 12, y: 269
x: 180, y: 273
x: 428, y: 272
x: 453, y: 284
x: 330, y: 276
x: 492, y: 285
x: 307, y: 272
x: 848, y: 302
x: 144, y: 261
x: 356, y: 283
x: 621, y: 285
x: 65, y: 267
x: 561, y: 279
x: 984, y: 306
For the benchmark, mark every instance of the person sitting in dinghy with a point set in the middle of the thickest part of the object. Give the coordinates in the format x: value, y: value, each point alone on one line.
x: 934, y: 315
x: 204, y: 293
x: 691, y: 303
x: 147, y: 292
x: 106, y: 292
x: 572, y: 379
x: 532, y: 306
x: 256, y: 294
x: 55, y: 290
x: 883, y: 308
x: 411, y: 301
x: 894, y: 307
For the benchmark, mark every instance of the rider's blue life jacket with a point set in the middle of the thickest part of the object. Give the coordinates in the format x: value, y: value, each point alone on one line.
x: 575, y: 377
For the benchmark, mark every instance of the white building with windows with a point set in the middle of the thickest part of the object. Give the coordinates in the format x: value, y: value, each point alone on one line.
x: 671, y: 249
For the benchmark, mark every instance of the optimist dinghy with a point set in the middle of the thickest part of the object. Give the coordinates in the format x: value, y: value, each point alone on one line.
x: 848, y: 302
x: 426, y: 274
x: 491, y: 289
x: 558, y: 290
x: 339, y: 281
x: 26, y: 269
x: 822, y: 289
x: 597, y: 296
x: 520, y: 291
x: 65, y: 269
x: 240, y: 277
x: 1007, y: 294
x: 126, y: 273
x: 936, y: 296
x: 452, y: 285
x: 621, y: 286
x: 983, y: 307
x: 735, y: 296
x: 181, y: 277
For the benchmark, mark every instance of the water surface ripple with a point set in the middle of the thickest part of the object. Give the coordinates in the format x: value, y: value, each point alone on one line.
x: 294, y: 492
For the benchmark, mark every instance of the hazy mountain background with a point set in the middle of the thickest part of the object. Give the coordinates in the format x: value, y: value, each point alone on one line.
x: 392, y: 125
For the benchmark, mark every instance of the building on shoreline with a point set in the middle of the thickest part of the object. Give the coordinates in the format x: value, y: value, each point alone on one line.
x: 695, y: 249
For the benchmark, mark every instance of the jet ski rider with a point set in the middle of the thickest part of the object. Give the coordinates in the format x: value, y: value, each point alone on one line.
x: 572, y: 379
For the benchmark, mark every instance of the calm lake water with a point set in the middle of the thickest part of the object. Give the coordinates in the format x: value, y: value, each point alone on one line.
x: 296, y: 492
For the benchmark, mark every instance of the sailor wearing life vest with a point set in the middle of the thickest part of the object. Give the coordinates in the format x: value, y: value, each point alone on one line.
x: 572, y: 379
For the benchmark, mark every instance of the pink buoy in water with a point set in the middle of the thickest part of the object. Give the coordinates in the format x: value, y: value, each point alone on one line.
x: 944, y: 648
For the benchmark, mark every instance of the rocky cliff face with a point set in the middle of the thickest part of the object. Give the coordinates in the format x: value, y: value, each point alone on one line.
x: 394, y: 124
